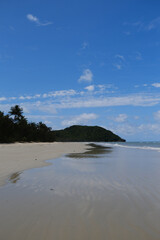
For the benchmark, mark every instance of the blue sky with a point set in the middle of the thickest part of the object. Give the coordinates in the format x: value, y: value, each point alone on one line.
x: 83, y: 62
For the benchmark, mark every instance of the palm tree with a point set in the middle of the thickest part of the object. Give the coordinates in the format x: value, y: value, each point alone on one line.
x: 17, y: 112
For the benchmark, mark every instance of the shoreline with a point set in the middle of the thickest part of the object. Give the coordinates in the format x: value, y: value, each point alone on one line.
x: 18, y: 157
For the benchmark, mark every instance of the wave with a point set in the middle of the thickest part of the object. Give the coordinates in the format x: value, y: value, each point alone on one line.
x: 141, y: 145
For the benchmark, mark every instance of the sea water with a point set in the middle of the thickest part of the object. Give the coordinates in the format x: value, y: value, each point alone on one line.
x: 109, y: 192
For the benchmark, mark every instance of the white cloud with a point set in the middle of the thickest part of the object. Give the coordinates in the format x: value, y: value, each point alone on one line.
x: 32, y: 18
x: 36, y: 20
x: 87, y: 76
x: 80, y: 119
x: 102, y: 87
x: 121, y: 118
x: 26, y: 97
x: 3, y: 99
x: 30, y: 97
x: 157, y: 85
x: 90, y: 88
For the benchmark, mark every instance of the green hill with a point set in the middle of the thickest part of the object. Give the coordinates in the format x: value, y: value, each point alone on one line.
x: 77, y: 133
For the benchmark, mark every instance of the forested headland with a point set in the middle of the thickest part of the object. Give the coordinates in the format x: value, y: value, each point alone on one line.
x: 14, y: 127
x: 78, y: 133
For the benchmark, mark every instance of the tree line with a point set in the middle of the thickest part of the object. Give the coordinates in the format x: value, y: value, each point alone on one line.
x: 14, y: 127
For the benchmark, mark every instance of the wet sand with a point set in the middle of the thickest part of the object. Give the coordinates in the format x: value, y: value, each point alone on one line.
x: 111, y: 193
x: 21, y: 156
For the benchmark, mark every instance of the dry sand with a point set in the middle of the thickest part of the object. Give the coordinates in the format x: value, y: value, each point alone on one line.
x: 21, y: 156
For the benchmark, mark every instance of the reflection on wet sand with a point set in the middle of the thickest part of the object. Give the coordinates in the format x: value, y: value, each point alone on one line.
x: 114, y: 195
x: 14, y: 177
x: 94, y: 151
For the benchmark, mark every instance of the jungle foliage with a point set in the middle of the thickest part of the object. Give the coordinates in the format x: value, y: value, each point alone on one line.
x: 14, y: 127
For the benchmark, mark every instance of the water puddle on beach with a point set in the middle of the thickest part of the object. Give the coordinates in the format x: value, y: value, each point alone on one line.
x: 105, y: 193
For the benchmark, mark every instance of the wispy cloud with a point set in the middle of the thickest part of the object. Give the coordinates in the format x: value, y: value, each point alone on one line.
x: 118, y: 66
x: 139, y: 25
x: 80, y: 119
x: 138, y: 56
x: 87, y: 76
x: 121, y: 57
x: 36, y: 20
x: 157, y: 115
x: 39, y: 106
x: 102, y: 101
x: 121, y: 117
x: 95, y: 89
x: 84, y: 45
x: 61, y: 93
x: 124, y: 129
x: 3, y: 99
x: 153, y: 24
x: 156, y: 85
x: 144, y: 26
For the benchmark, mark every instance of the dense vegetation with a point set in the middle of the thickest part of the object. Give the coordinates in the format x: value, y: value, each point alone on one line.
x: 78, y: 133
x: 14, y: 127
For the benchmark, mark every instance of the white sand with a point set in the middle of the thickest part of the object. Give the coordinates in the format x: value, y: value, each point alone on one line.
x: 21, y: 156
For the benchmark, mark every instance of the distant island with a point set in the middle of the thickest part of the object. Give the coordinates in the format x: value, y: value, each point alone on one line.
x: 14, y: 127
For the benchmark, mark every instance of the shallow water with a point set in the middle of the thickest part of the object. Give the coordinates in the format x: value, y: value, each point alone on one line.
x: 111, y: 193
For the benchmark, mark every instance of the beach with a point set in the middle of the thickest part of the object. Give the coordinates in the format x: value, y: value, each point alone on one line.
x: 110, y: 191
x: 18, y: 157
